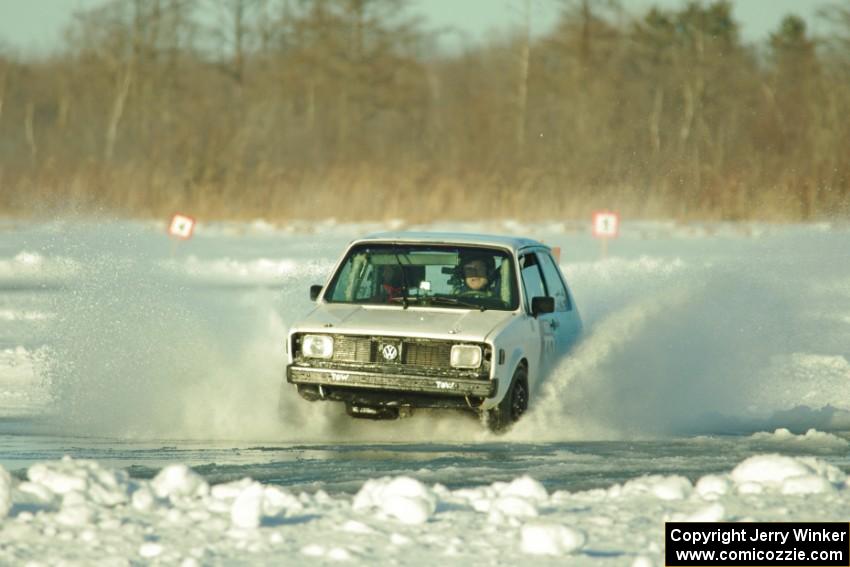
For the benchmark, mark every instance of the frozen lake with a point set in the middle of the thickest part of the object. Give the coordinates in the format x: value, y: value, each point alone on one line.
x: 705, y: 345
x: 337, y: 468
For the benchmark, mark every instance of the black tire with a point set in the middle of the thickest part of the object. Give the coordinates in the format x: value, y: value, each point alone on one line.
x: 513, y: 405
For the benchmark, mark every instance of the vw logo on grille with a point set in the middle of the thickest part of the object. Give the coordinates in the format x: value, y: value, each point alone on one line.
x: 389, y: 352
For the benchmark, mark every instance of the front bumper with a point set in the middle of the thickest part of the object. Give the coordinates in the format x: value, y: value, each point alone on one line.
x: 441, y: 386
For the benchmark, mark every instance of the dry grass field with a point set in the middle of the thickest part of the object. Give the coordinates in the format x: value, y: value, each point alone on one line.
x: 349, y: 109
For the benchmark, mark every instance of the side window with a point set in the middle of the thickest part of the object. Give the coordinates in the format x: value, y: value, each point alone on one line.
x: 531, y: 280
x: 367, y: 284
x: 341, y: 292
x: 554, y: 283
x: 355, y: 280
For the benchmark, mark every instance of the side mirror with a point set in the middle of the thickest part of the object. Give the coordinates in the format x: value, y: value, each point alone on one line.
x: 542, y: 305
x: 315, y: 290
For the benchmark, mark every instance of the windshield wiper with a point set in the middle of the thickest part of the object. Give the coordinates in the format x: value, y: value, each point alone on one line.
x: 406, y: 300
x: 456, y: 301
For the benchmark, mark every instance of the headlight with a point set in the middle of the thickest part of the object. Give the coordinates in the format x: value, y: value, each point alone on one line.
x: 466, y: 356
x: 317, y: 346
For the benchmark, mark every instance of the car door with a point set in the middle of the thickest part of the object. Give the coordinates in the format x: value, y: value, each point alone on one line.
x: 567, y: 320
x: 544, y: 325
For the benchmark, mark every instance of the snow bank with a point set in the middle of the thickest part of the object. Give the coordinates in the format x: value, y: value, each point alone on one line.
x: 79, y: 511
x: 18, y: 315
x: 26, y: 265
x: 812, y: 438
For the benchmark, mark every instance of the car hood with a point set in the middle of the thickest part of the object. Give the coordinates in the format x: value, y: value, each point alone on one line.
x: 456, y: 324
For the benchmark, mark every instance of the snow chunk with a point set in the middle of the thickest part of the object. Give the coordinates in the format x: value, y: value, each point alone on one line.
x: 527, y: 488
x: 178, y: 482
x: 407, y: 510
x: 672, y: 488
x: 5, y: 492
x: 517, y: 499
x: 711, y: 487
x: 786, y: 474
x: 355, y: 527
x: 247, y: 504
x: 513, y: 507
x: 313, y: 550
x: 277, y: 501
x: 642, y: 561
x: 37, y: 491
x: 831, y: 473
x: 228, y: 491
x: 711, y: 513
x: 88, y: 478
x: 334, y: 553
x: 57, y: 479
x: 75, y: 512
x: 403, y: 498
x: 480, y: 499
x: 662, y: 487
x: 768, y: 469
x: 143, y: 500
x: 150, y: 550
x: 551, y: 539
x: 339, y: 554
x: 248, y: 507
x: 808, y: 484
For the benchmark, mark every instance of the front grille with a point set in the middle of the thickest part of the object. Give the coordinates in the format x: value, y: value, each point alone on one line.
x: 353, y: 349
x: 417, y: 355
x: 436, y: 355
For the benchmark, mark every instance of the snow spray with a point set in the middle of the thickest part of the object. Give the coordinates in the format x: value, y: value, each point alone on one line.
x: 136, y: 350
x: 732, y: 343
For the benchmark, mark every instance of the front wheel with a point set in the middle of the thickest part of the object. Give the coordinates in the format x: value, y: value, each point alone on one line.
x: 513, y: 405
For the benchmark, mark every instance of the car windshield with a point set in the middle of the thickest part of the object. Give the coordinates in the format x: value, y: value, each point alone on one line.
x: 426, y: 275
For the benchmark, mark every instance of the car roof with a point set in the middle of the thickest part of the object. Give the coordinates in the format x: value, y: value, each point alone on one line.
x: 514, y: 243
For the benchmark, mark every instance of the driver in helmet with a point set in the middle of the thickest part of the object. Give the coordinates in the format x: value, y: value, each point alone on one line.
x: 477, y: 277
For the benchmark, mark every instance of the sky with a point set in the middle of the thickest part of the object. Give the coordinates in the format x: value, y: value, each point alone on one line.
x: 477, y: 17
x: 35, y: 25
